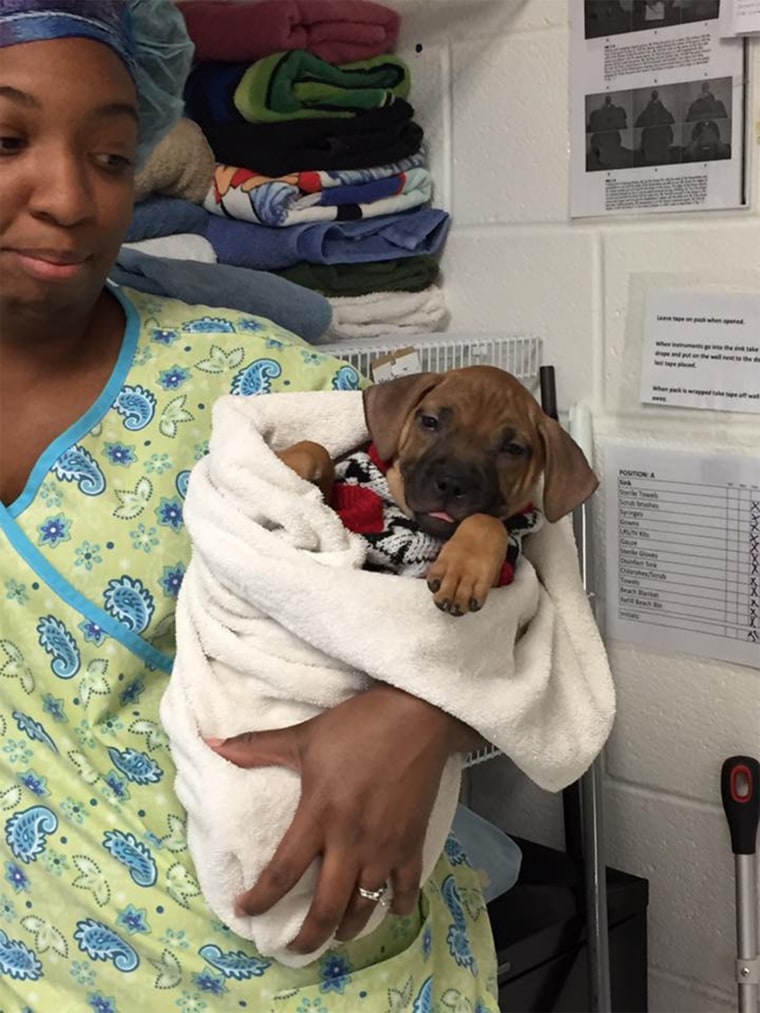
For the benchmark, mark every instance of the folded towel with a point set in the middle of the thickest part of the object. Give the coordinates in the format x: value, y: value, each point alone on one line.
x: 210, y: 91
x: 297, y: 85
x: 165, y: 216
x: 392, y: 313
x: 276, y: 621
x: 275, y: 149
x: 310, y: 182
x: 181, y: 166
x: 339, y: 31
x: 247, y: 196
x: 183, y: 246
x: 384, y: 238
x: 263, y: 295
x: 409, y: 274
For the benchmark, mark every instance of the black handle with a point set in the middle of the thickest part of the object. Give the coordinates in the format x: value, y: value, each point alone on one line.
x: 548, y: 391
x: 740, y: 791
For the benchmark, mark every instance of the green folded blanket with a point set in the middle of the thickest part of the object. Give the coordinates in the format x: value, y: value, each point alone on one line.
x: 298, y: 85
x: 410, y: 274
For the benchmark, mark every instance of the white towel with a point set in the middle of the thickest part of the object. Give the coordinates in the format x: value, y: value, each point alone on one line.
x: 276, y: 621
x: 379, y: 313
x: 182, y: 246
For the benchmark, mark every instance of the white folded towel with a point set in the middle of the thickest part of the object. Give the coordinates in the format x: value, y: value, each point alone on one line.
x: 379, y: 313
x: 181, y: 246
x: 276, y: 621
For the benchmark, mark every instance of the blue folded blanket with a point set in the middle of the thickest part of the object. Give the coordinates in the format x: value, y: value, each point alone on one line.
x: 165, y: 216
x: 243, y: 244
x: 293, y: 307
x: 387, y: 237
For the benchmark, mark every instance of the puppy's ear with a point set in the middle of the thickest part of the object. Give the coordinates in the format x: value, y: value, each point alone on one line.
x: 387, y: 405
x: 568, y: 478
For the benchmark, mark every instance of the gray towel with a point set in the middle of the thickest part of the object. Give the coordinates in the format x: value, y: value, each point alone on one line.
x: 293, y: 307
x: 166, y: 216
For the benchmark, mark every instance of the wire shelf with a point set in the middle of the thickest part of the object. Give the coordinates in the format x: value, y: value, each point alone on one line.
x: 519, y: 354
x: 481, y: 756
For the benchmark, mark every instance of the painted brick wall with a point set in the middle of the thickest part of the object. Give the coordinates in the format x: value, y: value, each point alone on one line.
x: 491, y: 88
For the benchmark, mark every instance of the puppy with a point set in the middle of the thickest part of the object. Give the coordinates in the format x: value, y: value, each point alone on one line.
x: 463, y: 454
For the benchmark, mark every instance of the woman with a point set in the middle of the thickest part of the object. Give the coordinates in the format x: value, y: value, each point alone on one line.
x: 105, y: 401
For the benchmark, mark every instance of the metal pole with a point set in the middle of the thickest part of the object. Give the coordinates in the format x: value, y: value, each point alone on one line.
x: 740, y: 793
x: 592, y: 825
x: 597, y: 928
x: 571, y: 796
x: 748, y: 944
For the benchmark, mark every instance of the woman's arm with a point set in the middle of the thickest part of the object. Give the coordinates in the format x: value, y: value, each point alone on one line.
x: 370, y: 771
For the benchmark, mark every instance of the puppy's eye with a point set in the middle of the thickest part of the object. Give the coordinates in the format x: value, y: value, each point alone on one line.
x: 514, y: 450
x: 429, y: 422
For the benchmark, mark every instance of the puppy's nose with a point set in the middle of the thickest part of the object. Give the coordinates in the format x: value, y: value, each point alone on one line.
x: 454, y: 481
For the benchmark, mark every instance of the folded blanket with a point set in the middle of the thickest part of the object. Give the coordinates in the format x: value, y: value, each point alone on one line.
x: 210, y: 91
x: 276, y: 621
x: 309, y: 182
x: 181, y: 166
x: 338, y: 31
x: 165, y: 216
x: 297, y: 85
x: 384, y: 238
x: 246, y: 196
x: 392, y: 313
x: 263, y: 295
x: 183, y: 246
x: 410, y: 274
x: 369, y: 138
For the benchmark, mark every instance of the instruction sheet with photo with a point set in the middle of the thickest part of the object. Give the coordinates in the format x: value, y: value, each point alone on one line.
x: 683, y: 551
x: 657, y: 108
x: 702, y: 350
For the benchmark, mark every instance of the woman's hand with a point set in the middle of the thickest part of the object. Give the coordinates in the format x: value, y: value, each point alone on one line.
x: 370, y: 770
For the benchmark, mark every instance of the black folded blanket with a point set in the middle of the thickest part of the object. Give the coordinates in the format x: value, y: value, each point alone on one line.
x: 373, y: 137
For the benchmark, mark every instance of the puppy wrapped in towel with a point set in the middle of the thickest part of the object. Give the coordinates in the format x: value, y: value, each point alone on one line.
x: 277, y: 620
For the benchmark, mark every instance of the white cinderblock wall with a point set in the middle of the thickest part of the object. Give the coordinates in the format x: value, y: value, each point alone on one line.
x: 491, y: 87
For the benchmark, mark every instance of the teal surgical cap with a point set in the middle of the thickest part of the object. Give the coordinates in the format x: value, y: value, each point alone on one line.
x: 148, y: 35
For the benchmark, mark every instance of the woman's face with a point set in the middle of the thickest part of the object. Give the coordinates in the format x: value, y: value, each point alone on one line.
x: 68, y: 145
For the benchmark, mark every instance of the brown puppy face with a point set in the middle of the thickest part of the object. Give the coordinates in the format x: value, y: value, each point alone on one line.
x: 472, y: 441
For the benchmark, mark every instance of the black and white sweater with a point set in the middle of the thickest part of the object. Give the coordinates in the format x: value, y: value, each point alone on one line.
x: 396, y: 544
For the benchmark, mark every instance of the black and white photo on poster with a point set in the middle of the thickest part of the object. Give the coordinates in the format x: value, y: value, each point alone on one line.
x: 616, y: 17
x: 689, y: 121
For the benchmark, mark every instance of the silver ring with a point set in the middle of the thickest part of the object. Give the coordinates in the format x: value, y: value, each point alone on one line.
x: 374, y: 895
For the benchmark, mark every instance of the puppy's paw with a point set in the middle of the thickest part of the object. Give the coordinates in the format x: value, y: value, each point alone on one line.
x: 468, y: 565
x: 312, y: 462
x: 459, y: 584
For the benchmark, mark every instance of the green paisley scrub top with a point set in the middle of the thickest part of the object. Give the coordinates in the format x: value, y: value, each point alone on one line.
x: 100, y: 909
